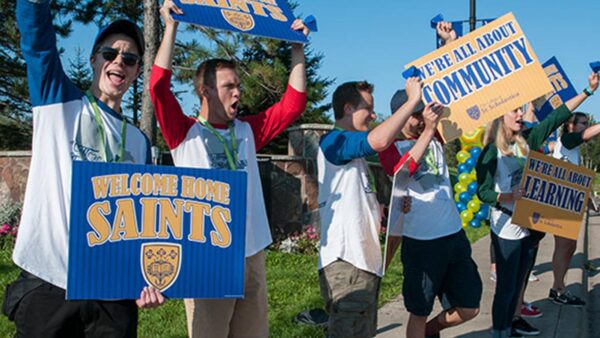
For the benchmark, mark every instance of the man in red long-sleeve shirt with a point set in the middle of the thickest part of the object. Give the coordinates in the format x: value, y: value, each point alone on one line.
x: 217, y: 139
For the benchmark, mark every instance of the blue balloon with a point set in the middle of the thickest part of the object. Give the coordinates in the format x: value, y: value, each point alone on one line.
x: 470, y: 162
x: 472, y: 188
x: 485, y: 208
x: 481, y: 214
x: 461, y: 206
x: 462, y: 168
x: 475, y: 152
x: 474, y: 223
x: 464, y: 197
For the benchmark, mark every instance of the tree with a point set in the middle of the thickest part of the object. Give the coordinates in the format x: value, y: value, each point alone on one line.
x: 15, y: 106
x: 79, y: 71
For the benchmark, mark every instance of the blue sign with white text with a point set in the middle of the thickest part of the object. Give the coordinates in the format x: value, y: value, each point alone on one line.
x: 180, y: 230
x: 267, y: 18
x: 563, y: 89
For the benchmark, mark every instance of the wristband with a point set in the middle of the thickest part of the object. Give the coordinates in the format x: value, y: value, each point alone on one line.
x: 588, y: 91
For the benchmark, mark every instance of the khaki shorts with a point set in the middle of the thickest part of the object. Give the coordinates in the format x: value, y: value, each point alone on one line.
x: 223, y: 318
x: 350, y: 296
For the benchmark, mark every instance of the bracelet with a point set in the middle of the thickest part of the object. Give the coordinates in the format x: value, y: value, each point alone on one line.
x: 588, y: 91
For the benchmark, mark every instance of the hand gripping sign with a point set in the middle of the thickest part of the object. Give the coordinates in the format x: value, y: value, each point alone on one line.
x: 180, y: 230
x: 481, y: 76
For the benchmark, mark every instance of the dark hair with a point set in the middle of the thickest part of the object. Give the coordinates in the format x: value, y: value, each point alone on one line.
x: 349, y: 92
x: 574, y: 119
x: 206, y: 72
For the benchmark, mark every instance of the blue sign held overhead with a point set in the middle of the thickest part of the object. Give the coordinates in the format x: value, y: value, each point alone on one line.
x: 563, y: 89
x: 180, y: 230
x: 271, y: 19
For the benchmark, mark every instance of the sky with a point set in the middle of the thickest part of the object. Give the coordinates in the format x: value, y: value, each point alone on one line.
x: 374, y: 40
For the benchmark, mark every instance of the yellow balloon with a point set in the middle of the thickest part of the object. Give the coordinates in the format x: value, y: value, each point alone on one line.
x: 472, y: 139
x: 464, y: 225
x: 457, y: 196
x: 465, y: 179
x: 473, y: 205
x: 462, y: 156
x: 466, y: 215
x: 460, y: 187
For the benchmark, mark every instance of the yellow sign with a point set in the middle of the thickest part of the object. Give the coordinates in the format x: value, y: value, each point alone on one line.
x: 555, y: 196
x: 161, y: 263
x: 481, y: 76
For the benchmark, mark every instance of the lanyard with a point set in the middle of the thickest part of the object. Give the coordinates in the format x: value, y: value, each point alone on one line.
x: 431, y: 162
x: 370, y: 174
x: 232, y: 156
x: 100, y: 125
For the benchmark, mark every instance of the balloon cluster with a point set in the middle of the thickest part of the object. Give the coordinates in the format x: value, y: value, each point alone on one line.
x: 472, y: 211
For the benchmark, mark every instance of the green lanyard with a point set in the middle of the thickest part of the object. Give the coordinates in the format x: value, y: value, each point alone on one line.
x: 370, y: 174
x: 232, y: 157
x: 431, y: 162
x: 100, y: 125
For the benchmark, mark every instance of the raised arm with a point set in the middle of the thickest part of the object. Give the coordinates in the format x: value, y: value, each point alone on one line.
x: 574, y: 102
x: 276, y: 118
x: 164, y: 56
x: 46, y: 79
x: 385, y: 133
x: 298, y: 67
x: 174, y: 124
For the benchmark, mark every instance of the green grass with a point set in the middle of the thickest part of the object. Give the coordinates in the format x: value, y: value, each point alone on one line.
x: 293, y: 286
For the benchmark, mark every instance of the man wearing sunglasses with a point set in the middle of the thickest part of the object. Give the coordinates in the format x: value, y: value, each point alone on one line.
x: 217, y: 139
x: 71, y: 125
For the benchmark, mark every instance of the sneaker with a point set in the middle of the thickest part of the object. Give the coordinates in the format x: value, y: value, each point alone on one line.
x: 493, y: 276
x: 533, y: 278
x: 519, y: 325
x: 313, y: 317
x: 565, y: 298
x: 529, y: 310
x: 515, y: 334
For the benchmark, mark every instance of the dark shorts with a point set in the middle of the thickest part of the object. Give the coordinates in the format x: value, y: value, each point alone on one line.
x: 441, y: 267
x: 43, y: 312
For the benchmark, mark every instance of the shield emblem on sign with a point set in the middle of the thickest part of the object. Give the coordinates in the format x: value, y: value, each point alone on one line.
x: 239, y: 20
x: 535, y: 217
x: 161, y: 263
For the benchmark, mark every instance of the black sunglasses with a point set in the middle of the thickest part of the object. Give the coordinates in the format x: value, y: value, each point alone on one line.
x: 109, y: 54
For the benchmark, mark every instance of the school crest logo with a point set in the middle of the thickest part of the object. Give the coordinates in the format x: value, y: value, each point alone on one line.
x: 535, y: 217
x: 161, y: 263
x: 239, y: 20
x: 474, y: 112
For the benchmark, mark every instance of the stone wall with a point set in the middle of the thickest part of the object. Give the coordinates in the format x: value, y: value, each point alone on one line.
x: 290, y: 185
x: 14, y: 168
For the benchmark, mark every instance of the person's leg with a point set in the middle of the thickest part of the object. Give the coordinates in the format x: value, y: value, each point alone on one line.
x: 223, y: 318
x: 527, y: 252
x: 449, y: 318
x: 350, y: 296
x: 461, y: 287
x: 250, y: 318
x: 416, y: 326
x: 110, y: 319
x: 425, y: 264
x: 507, y: 261
x: 564, y: 248
x: 44, y: 313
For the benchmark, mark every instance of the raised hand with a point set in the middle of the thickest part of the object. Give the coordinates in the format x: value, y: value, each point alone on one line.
x: 165, y: 11
x: 445, y: 31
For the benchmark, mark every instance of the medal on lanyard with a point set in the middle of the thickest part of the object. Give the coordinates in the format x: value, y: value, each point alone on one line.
x: 100, y: 126
x: 231, y: 154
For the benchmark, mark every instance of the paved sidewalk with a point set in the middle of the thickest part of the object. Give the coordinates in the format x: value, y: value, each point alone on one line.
x: 557, y: 321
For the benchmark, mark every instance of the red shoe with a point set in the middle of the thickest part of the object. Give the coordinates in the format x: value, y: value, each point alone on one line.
x: 530, y: 311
